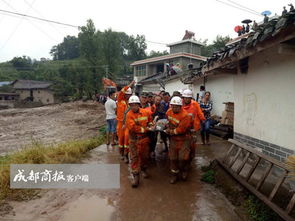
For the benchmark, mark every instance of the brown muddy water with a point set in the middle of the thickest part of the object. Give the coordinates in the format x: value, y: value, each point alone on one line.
x: 155, y: 199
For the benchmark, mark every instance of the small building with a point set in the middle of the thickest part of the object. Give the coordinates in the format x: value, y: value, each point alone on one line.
x: 154, y: 74
x: 8, y: 100
x: 35, y: 91
x: 259, y: 69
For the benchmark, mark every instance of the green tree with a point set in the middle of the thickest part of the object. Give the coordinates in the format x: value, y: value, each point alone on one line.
x: 22, y: 63
x: 136, y: 47
x: 68, y: 49
x: 217, y: 44
x: 157, y: 53
x: 90, y: 43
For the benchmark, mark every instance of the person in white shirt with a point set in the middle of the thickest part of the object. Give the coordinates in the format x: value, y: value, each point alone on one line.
x: 201, y: 94
x: 111, y: 107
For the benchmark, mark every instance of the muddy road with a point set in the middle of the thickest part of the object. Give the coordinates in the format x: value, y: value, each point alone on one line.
x: 155, y: 199
x: 49, y: 124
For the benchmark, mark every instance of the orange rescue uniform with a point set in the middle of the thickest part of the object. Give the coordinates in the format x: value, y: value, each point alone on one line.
x: 137, y: 124
x: 121, y: 108
x: 196, y: 113
x: 179, y: 145
x: 197, y: 116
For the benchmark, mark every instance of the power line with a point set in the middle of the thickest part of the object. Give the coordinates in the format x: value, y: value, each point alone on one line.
x: 40, y: 14
x: 243, y: 9
x: 154, y: 42
x: 38, y: 18
x: 233, y: 2
x: 15, y: 28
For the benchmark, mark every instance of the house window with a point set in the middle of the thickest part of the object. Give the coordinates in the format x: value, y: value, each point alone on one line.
x: 140, y: 70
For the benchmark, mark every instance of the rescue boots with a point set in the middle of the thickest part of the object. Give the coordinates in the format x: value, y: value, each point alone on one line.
x: 174, y: 178
x: 144, y: 174
x: 135, y: 180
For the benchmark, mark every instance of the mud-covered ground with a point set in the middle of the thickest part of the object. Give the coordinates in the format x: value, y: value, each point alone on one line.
x: 155, y: 198
x: 49, y: 124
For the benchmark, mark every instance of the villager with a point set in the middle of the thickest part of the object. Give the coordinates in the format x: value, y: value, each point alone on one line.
x: 265, y: 20
x: 243, y: 29
x: 176, y: 93
x: 247, y: 28
x: 284, y: 11
x: 201, y: 94
x: 206, y: 106
x: 110, y: 108
x: 159, y: 113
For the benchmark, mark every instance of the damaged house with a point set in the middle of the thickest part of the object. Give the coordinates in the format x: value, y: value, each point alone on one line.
x: 163, y: 72
x: 34, y: 91
x: 257, y: 74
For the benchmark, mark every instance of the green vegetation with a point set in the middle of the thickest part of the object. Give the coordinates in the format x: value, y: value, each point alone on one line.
x: 80, y: 62
x: 258, y: 211
x: 209, y: 177
x: 217, y: 44
x: 37, y: 153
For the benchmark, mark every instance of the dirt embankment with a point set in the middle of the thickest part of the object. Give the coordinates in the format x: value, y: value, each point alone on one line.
x: 49, y: 124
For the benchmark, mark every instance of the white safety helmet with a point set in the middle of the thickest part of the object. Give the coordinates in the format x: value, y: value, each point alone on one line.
x: 187, y: 93
x: 129, y: 91
x: 134, y: 100
x: 176, y: 101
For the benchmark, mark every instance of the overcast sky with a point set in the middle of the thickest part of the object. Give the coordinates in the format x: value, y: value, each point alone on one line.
x: 163, y: 21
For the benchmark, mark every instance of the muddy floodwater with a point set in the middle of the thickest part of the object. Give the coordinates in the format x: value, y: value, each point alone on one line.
x: 155, y: 199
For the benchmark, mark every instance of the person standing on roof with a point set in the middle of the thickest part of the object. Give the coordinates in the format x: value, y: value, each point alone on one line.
x: 138, y: 122
x: 179, y: 139
x: 122, y: 106
x: 194, y: 110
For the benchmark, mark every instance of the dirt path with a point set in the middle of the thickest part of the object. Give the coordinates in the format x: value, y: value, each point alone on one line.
x: 155, y: 199
x: 49, y: 124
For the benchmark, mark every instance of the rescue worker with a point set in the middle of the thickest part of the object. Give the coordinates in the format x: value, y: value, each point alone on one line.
x: 122, y: 106
x: 196, y: 113
x: 138, y: 122
x: 179, y: 139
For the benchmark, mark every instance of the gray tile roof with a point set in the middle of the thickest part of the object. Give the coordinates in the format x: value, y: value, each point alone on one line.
x: 30, y: 84
x: 275, y: 29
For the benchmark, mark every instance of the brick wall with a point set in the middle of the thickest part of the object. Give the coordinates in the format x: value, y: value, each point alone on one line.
x: 275, y: 151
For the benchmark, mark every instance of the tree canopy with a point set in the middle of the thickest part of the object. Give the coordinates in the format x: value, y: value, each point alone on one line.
x: 217, y: 44
x: 79, y: 62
